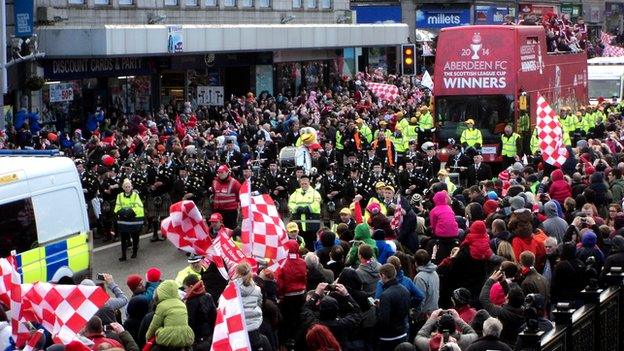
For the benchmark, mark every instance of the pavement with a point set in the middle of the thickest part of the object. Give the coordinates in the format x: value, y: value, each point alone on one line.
x: 161, y: 254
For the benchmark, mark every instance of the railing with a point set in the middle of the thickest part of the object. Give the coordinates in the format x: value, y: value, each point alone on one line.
x: 597, y: 325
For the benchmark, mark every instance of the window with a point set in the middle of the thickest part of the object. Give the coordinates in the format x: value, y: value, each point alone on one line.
x: 76, y: 2
x: 296, y: 4
x: 18, y: 230
x: 125, y: 2
x: 211, y: 2
x: 171, y: 2
x: 191, y: 3
x: 52, y: 224
x: 311, y: 4
x: 229, y: 3
x: 326, y: 4
x: 264, y: 3
x: 247, y: 3
x: 101, y: 2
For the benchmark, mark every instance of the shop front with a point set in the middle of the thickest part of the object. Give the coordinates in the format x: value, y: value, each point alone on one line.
x: 434, y: 17
x: 485, y: 13
x: 377, y: 57
x: 309, y: 70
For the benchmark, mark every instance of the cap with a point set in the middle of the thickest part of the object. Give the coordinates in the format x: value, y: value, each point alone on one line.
x: 292, y: 227
x: 413, y: 120
x: 443, y: 172
x: 380, y: 185
x: 223, y: 169
x: 470, y: 121
x: 426, y: 146
x: 345, y: 211
x: 215, y: 217
x: 389, y: 187
x: 194, y: 259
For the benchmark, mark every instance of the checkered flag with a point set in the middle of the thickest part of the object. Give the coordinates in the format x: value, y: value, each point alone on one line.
x: 397, y: 219
x: 550, y: 134
x: 262, y: 232
x: 31, y: 345
x: 226, y: 256
x: 386, y: 92
x: 230, y: 332
x: 186, y: 229
x: 610, y: 50
x: 8, y: 273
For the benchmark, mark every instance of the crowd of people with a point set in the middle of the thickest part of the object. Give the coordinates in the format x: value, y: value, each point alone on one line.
x: 477, y: 256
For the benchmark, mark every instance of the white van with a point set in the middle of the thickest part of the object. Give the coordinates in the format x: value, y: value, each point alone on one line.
x: 43, y: 217
x: 606, y: 78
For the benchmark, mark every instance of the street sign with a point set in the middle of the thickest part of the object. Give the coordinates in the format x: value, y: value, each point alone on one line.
x: 23, y: 17
x: 210, y: 96
x: 61, y: 92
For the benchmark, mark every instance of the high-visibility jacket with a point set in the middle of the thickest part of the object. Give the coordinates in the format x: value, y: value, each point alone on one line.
x: 366, y: 132
x: 399, y: 143
x: 588, y: 122
x: 524, y: 123
x: 471, y: 137
x: 384, y: 209
x: 410, y: 133
x: 389, y: 153
x: 534, y: 142
x: 225, y: 194
x: 132, y: 202
x: 510, y: 148
x: 568, y: 124
x: 310, y: 199
x: 185, y: 273
x: 401, y: 125
x: 425, y: 122
x: 339, y: 145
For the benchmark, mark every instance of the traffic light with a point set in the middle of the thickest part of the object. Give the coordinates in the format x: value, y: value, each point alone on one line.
x: 408, y: 62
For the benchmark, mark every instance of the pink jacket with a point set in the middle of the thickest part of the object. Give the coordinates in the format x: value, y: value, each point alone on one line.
x: 442, y: 218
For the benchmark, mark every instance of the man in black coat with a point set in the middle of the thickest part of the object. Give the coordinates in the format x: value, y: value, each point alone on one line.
x: 393, y: 310
x: 616, y: 259
x: 201, y: 312
x: 492, y: 329
x: 478, y: 171
x: 510, y: 314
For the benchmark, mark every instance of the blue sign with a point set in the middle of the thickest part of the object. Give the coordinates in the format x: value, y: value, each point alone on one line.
x: 441, y: 17
x: 378, y: 14
x: 485, y: 14
x: 23, y: 11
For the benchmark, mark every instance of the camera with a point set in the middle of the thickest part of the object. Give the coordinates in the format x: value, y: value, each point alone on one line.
x: 100, y: 276
x: 330, y: 287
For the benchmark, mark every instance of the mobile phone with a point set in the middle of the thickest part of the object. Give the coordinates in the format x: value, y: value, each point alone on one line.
x: 100, y: 276
x: 105, y: 328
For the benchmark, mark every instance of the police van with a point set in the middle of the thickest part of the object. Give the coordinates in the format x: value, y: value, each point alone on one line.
x: 43, y: 216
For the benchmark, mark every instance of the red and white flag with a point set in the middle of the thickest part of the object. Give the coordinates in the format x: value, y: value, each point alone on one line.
x: 388, y: 92
x: 397, y: 219
x: 8, y: 274
x: 63, y: 310
x: 610, y: 50
x: 226, y: 256
x: 33, y: 341
x: 262, y: 232
x: 186, y: 229
x: 230, y: 332
x: 550, y: 134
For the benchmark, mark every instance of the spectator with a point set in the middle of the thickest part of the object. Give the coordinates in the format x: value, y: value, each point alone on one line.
x: 554, y: 226
x: 416, y: 295
x: 461, y: 303
x: 320, y: 338
x: 450, y: 328
x: 362, y: 236
x: 532, y: 281
x: 170, y: 322
x: 368, y: 270
x: 201, y: 311
x: 510, y: 313
x: 428, y: 282
x: 251, y: 297
x: 393, y: 311
x: 315, y: 272
x: 568, y: 275
x: 616, y: 259
x: 492, y: 329
x: 559, y: 189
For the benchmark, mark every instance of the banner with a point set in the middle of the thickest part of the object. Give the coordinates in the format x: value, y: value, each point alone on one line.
x: 23, y: 16
x: 61, y: 92
x: 176, y: 40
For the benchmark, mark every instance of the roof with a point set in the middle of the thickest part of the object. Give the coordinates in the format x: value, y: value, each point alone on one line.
x: 606, y: 72
x: 35, y: 167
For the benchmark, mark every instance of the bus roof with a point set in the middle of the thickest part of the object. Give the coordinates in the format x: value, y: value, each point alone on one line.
x: 600, y: 61
x: 605, y: 72
x: 35, y: 167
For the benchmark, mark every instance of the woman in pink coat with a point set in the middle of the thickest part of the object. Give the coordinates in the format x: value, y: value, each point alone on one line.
x: 442, y: 217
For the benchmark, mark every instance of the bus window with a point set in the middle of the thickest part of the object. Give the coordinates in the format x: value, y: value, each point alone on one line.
x: 18, y: 230
x: 490, y: 112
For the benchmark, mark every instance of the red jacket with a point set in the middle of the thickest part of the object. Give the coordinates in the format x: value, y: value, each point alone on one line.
x: 559, y: 189
x: 101, y: 339
x: 521, y: 244
x: 225, y: 194
x: 292, y: 277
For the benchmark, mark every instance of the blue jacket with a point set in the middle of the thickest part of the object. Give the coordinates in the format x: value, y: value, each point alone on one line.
x: 416, y: 295
x: 385, y: 251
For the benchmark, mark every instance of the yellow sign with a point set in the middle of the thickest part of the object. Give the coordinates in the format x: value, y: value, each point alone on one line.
x: 8, y: 178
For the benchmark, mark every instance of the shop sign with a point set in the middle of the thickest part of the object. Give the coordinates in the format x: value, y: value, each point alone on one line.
x: 210, y: 96
x: 526, y: 9
x: 481, y: 62
x: 176, y: 40
x: 23, y: 16
x: 441, y: 17
x: 63, y: 69
x: 572, y: 10
x: 486, y: 14
x: 378, y: 14
x: 61, y: 92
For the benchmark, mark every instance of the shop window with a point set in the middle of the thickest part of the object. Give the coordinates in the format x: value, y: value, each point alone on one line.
x: 264, y: 3
x: 311, y: 4
x: 101, y: 2
x: 18, y: 230
x: 130, y: 93
x: 212, y: 3
x: 326, y: 4
x: 296, y: 4
x: 191, y: 3
x: 247, y: 3
x: 229, y: 3
x: 171, y: 2
x: 125, y: 2
x: 76, y: 2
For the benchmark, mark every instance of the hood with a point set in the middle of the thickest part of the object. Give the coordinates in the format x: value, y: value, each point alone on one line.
x: 550, y: 209
x: 589, y: 239
x: 478, y: 242
x: 197, y: 290
x: 167, y: 290
x: 428, y: 268
x: 568, y: 251
x: 597, y: 177
x: 362, y: 232
x: 350, y: 279
x: 618, y: 244
x: 557, y: 174
x: 293, y: 247
x: 439, y: 198
x: 371, y: 268
x: 328, y: 308
x: 478, y: 228
x: 138, y: 307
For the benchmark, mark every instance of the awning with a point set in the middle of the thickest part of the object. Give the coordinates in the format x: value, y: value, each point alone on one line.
x: 146, y: 40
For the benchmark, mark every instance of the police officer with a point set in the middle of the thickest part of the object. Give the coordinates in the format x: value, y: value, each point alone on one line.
x: 511, y: 146
x: 471, y: 136
x: 130, y: 214
x: 425, y: 124
x: 305, y: 205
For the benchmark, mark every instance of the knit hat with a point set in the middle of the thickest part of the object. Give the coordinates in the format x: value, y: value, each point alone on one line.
x: 446, y: 323
x: 461, y: 296
x: 517, y: 203
x: 478, y: 227
x: 497, y: 294
x: 492, y: 195
x: 328, y: 308
x: 152, y: 275
x: 76, y: 346
x: 133, y: 281
x: 490, y: 207
x: 589, y: 239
